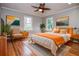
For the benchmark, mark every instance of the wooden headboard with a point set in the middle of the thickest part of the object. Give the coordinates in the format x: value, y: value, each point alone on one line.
x: 68, y: 29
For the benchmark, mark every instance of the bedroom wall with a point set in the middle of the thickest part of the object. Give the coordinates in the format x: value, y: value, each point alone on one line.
x: 73, y: 17
x: 0, y: 19
x: 0, y: 11
x: 36, y: 21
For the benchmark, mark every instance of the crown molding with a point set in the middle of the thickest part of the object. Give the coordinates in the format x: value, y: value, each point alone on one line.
x: 65, y: 10
x: 12, y: 9
x: 22, y: 12
x: 68, y: 9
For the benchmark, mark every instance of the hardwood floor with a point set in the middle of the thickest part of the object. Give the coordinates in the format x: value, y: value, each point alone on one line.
x: 10, y: 48
x: 23, y: 48
x: 18, y: 48
x: 74, y: 49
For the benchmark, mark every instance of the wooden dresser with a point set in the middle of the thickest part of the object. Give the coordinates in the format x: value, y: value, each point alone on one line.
x: 76, y: 36
x: 3, y: 46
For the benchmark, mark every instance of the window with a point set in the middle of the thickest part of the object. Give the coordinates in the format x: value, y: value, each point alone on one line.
x: 49, y: 24
x: 27, y: 23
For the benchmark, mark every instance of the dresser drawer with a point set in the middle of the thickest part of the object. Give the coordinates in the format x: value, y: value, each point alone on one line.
x: 3, y: 46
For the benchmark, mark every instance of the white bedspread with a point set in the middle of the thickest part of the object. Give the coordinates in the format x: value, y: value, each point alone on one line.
x: 48, y: 43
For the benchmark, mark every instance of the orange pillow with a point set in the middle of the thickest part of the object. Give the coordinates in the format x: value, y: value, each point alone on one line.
x: 56, y: 30
x: 25, y: 34
x: 70, y: 30
x: 63, y: 31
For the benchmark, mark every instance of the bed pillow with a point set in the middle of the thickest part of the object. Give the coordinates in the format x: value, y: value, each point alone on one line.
x: 63, y: 31
x: 56, y: 30
x: 70, y: 30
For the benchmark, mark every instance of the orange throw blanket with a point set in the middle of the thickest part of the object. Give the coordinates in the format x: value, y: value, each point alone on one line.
x: 58, y: 39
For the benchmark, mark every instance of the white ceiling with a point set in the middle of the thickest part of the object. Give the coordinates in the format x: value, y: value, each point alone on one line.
x: 26, y: 8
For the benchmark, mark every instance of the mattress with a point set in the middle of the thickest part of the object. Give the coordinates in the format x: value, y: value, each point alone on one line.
x: 48, y: 43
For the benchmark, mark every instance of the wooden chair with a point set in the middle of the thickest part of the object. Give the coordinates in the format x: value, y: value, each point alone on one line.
x: 17, y: 34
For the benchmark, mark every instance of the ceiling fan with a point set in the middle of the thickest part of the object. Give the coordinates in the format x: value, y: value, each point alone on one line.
x: 41, y: 8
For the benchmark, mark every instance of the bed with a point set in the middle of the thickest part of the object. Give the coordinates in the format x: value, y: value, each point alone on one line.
x: 49, y: 42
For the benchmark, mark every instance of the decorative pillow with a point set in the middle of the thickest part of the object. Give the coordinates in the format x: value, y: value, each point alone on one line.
x: 25, y: 34
x: 63, y: 31
x: 56, y: 30
x: 70, y: 30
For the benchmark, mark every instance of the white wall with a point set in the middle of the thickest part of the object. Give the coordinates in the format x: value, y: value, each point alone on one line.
x: 0, y: 19
x: 73, y: 17
x: 0, y: 12
x: 36, y: 20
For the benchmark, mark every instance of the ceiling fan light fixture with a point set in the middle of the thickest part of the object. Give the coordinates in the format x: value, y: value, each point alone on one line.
x: 40, y: 10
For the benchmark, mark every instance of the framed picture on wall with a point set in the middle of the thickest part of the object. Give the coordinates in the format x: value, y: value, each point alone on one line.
x: 13, y: 20
x: 62, y: 21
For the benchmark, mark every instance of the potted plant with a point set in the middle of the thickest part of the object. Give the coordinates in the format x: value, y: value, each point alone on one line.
x: 42, y: 27
x: 7, y: 29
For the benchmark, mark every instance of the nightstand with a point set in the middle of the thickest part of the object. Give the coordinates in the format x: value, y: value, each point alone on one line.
x: 75, y: 38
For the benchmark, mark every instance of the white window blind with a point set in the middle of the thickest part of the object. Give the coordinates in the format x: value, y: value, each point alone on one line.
x: 49, y: 23
x: 27, y: 23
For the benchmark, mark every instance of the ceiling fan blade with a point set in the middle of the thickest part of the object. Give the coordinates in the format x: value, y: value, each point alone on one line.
x: 41, y: 8
x: 40, y: 4
x: 43, y: 4
x: 47, y: 9
x: 36, y: 10
x: 35, y: 7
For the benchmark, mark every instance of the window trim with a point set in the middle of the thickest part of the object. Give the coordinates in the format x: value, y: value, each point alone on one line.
x: 47, y: 24
x: 28, y: 23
